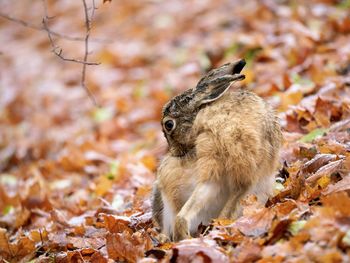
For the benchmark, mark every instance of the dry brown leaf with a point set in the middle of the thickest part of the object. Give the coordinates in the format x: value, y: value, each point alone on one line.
x: 198, y: 250
x: 317, y: 162
x: 117, y: 224
x: 328, y: 169
x: 248, y: 251
x: 59, y: 217
x: 16, y: 218
x: 257, y: 224
x: 4, y: 243
x: 339, y: 202
x: 233, y: 236
x: 126, y: 246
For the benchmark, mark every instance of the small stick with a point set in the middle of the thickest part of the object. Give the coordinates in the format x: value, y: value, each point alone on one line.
x: 88, y: 22
x: 58, y: 51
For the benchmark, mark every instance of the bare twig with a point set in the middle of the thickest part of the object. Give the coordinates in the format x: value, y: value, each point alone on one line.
x: 88, y: 21
x: 53, y: 33
x: 58, y: 51
x: 45, y: 10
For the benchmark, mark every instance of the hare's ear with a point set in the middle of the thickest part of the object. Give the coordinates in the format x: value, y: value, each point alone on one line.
x: 217, y: 81
x: 214, y: 88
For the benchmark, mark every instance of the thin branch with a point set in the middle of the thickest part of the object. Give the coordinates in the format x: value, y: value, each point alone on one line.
x: 45, y: 10
x: 88, y: 21
x: 53, y: 33
x: 58, y: 51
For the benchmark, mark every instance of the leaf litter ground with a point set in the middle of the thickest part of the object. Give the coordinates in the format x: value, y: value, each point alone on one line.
x: 75, y: 180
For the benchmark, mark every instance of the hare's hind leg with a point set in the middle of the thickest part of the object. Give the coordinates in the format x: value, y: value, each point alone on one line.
x: 232, y: 208
x: 262, y: 190
x: 157, y: 205
x: 163, y: 211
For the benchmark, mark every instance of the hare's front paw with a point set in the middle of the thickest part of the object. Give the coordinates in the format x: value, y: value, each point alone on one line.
x: 181, y: 229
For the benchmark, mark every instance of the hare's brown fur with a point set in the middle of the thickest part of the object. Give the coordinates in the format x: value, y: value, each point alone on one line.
x: 227, y: 148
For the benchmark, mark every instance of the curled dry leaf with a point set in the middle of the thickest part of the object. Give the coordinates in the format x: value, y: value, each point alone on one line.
x: 317, y: 162
x: 328, y: 169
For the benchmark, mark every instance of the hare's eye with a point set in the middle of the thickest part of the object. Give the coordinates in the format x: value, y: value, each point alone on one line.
x: 169, y: 125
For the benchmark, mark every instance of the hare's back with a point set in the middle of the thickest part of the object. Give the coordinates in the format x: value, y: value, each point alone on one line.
x: 237, y: 109
x: 241, y: 131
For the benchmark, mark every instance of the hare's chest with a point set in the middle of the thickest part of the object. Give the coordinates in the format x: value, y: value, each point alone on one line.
x: 185, y: 190
x: 177, y: 183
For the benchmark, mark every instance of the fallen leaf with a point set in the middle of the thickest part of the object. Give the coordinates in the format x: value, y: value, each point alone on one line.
x: 339, y: 202
x: 126, y: 246
x: 197, y: 250
x: 317, y: 162
x: 328, y: 169
x: 117, y: 224
x: 313, y: 135
x: 342, y: 185
x: 257, y: 224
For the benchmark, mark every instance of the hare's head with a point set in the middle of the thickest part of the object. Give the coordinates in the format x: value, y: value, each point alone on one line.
x: 180, y: 112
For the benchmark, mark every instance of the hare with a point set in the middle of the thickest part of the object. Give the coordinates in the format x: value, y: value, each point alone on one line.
x: 223, y: 145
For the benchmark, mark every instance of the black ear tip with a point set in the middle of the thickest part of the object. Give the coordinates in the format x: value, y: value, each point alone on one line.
x: 242, y: 61
x: 237, y: 68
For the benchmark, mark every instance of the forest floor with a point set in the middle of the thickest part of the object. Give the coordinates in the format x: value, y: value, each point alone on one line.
x: 75, y: 179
